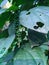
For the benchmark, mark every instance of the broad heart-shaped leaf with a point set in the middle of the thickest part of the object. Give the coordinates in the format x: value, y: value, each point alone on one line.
x: 36, y: 18
x: 5, y: 43
x: 28, y: 56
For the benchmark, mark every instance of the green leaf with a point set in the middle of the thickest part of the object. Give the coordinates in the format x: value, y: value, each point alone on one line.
x: 4, y: 34
x: 5, y: 44
x: 2, y: 11
x: 4, y: 63
x: 4, y: 17
x: 1, y: 1
x: 19, y: 2
x: 36, y: 37
x: 7, y: 57
x: 37, y: 19
x: 43, y: 2
x: 12, y: 28
x: 13, y: 8
x: 27, y: 56
x: 44, y: 46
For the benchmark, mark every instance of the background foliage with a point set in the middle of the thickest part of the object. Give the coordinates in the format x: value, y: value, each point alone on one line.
x: 15, y: 47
